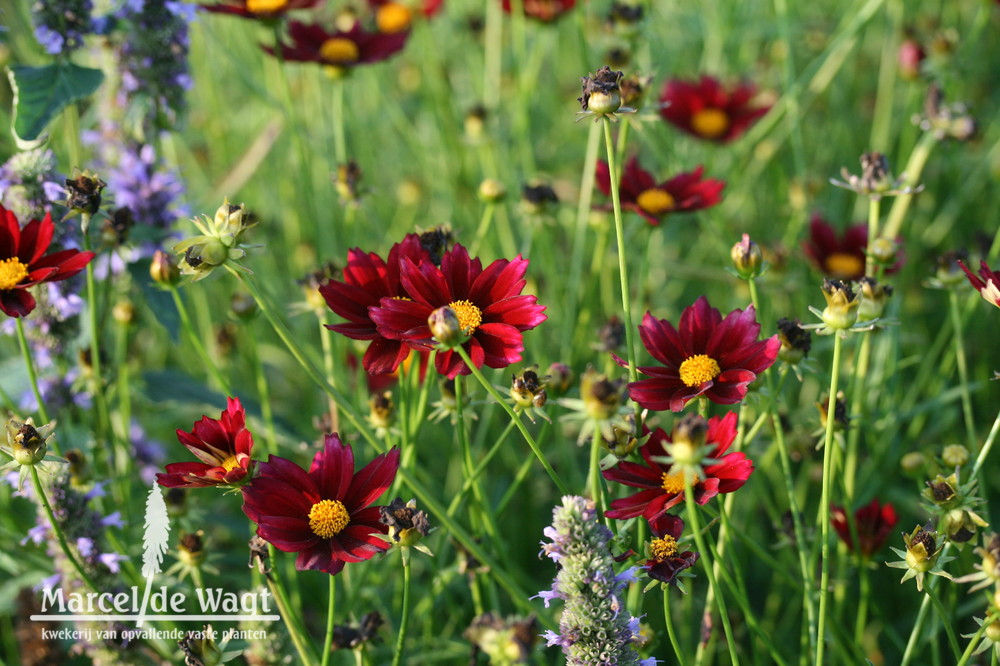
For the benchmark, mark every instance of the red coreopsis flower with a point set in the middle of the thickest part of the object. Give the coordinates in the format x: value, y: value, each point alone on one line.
x: 640, y: 192
x: 663, y: 486
x: 367, y: 280
x: 543, y: 10
x: 23, y: 262
x: 840, y: 258
x: 488, y: 303
x: 393, y: 16
x: 259, y: 9
x: 338, y: 49
x: 223, y: 446
x: 665, y: 561
x: 987, y: 282
x: 323, y: 514
x: 706, y: 355
x: 872, y: 522
x: 707, y: 110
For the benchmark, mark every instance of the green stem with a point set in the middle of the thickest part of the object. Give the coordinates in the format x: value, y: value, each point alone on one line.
x: 669, y: 621
x: 914, y: 167
x: 580, y: 230
x: 713, y: 584
x: 339, y: 136
x: 263, y: 392
x: 405, y: 621
x: 331, y: 606
x: 291, y: 621
x: 864, y: 594
x: 946, y: 621
x: 484, y: 226
x: 974, y: 642
x: 196, y: 342
x: 824, y: 508
x: 622, y: 269
x: 471, y: 478
x: 40, y: 491
x: 963, y: 368
x: 32, y: 375
x: 515, y: 417
x: 874, y: 204
x: 95, y: 338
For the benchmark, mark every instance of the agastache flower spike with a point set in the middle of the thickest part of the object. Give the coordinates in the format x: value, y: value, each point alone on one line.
x: 594, y: 629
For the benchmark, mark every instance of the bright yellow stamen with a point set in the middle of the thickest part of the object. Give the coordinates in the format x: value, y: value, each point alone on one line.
x: 328, y: 517
x: 339, y: 51
x: 674, y: 483
x: 699, y: 369
x: 655, y: 201
x: 12, y: 271
x: 661, y: 549
x: 393, y: 17
x: 469, y: 316
x: 844, y: 266
x: 230, y: 463
x: 266, y: 6
x: 710, y: 123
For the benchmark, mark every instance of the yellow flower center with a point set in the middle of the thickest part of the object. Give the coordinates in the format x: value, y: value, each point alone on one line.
x: 842, y: 265
x: 655, y: 201
x: 393, y: 17
x: 469, y: 316
x: 699, y: 369
x: 230, y: 463
x: 339, y: 51
x: 328, y: 517
x: 266, y: 6
x: 661, y: 549
x: 674, y: 483
x: 12, y: 271
x: 710, y: 123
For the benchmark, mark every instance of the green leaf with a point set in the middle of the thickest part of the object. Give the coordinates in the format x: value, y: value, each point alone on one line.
x: 40, y: 93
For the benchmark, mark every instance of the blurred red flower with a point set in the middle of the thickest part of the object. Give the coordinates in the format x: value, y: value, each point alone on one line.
x: 838, y: 258
x: 873, y: 524
x: 640, y: 192
x: 707, y: 110
x: 665, y: 562
x: 543, y: 10
x: 259, y: 9
x: 337, y: 48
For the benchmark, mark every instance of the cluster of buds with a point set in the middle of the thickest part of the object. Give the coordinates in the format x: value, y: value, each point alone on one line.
x: 220, y: 242
x: 952, y: 502
x: 875, y: 181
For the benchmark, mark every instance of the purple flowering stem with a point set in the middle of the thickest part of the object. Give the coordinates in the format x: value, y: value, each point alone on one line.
x: 40, y: 491
x: 32, y: 375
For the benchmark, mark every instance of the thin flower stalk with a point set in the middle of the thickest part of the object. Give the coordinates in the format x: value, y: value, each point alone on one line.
x: 481, y: 510
x: 478, y: 373
x: 470, y: 479
x: 974, y: 640
x: 633, y: 374
x: 103, y: 420
x: 54, y: 524
x: 587, y: 183
x: 196, y: 342
x: 404, y: 622
x: 330, y: 609
x: 947, y: 620
x: 963, y: 368
x: 32, y: 376
x: 713, y: 583
x: 914, y: 167
x: 668, y: 620
x: 291, y: 620
x: 824, y: 508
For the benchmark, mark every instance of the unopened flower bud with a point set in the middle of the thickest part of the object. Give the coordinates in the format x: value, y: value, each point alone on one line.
x: 230, y: 219
x: 475, y: 124
x: 884, y: 251
x: 841, y: 305
x: 747, y: 258
x: 124, y: 312
x: 910, y: 57
x: 191, y: 549
x: 163, y: 269
x: 955, y: 455
x: 913, y: 463
x: 492, y: 190
x: 381, y: 410
x: 688, y: 441
x: 445, y: 327
x: 601, y: 397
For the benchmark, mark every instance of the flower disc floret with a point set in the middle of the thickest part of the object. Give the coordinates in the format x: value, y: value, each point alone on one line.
x: 12, y: 271
x: 661, y: 549
x: 328, y: 517
x: 710, y: 123
x: 699, y: 369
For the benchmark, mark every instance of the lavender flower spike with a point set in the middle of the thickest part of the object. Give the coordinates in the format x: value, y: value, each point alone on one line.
x: 592, y: 630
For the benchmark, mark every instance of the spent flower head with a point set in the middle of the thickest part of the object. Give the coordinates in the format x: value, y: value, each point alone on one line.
x: 601, y: 97
x: 921, y: 557
x: 946, y: 121
x: 600, y: 407
x: 407, y: 526
x: 220, y: 242
x: 527, y: 392
x: 875, y: 181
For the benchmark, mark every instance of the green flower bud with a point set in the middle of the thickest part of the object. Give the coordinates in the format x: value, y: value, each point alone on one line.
x: 955, y: 455
x: 27, y: 443
x: 163, y: 270
x: 841, y: 305
x: 747, y: 258
x: 874, y: 298
x: 492, y: 190
x: 445, y: 327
